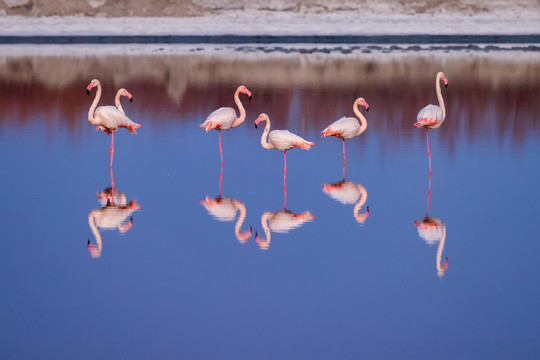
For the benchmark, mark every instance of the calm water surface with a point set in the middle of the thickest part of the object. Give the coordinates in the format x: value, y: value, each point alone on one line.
x: 173, y: 269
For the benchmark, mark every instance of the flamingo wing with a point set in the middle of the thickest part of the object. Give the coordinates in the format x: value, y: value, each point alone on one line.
x: 220, y: 119
x: 344, y: 128
x: 430, y: 117
x: 285, y: 140
x: 220, y: 208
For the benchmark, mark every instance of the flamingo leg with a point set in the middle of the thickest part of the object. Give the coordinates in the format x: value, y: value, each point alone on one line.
x: 112, y: 154
x: 220, y: 150
x: 428, y: 153
x: 428, y: 195
x: 344, y: 157
x: 220, y: 178
x: 285, y: 180
x: 344, y: 160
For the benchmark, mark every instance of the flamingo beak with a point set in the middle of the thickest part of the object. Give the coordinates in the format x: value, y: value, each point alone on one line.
x: 445, y: 85
x: 257, y: 122
x: 87, y: 92
x: 249, y: 97
x: 131, y: 99
x: 367, y: 209
x: 88, y: 88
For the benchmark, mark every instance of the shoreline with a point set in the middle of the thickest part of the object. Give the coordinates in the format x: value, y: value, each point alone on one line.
x: 274, y: 23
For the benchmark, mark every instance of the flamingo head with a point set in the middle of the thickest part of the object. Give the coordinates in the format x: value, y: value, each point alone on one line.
x: 441, y: 76
x: 126, y: 93
x: 262, y: 117
x: 243, y: 89
x: 94, y: 82
x: 362, y: 102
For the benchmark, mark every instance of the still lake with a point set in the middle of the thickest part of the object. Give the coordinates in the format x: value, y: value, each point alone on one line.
x: 177, y: 272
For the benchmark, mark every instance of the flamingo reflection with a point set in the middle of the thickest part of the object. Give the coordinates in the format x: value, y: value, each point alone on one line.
x: 225, y: 209
x: 113, y: 215
x: 432, y: 230
x: 280, y: 222
x: 348, y: 192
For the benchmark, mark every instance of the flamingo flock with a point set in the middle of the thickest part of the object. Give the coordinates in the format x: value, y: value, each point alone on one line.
x: 110, y: 119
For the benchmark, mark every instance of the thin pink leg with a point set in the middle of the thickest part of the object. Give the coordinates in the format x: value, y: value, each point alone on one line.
x: 220, y: 150
x: 428, y: 153
x: 428, y: 195
x: 112, y: 154
x: 344, y: 157
x: 220, y: 178
x: 285, y: 180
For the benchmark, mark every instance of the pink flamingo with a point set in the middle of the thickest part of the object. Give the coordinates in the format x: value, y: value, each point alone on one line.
x: 282, y: 140
x: 225, y: 118
x: 347, y: 128
x: 110, y: 118
x: 432, y: 116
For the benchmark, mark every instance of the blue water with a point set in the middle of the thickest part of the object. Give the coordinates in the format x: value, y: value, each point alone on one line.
x: 179, y: 284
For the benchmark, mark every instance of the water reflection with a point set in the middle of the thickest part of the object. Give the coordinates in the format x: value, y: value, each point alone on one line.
x: 225, y: 209
x: 432, y: 230
x: 282, y: 221
x: 348, y: 192
x: 113, y: 215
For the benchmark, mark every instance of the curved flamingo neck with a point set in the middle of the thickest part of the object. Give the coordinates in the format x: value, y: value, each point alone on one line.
x: 239, y: 206
x: 363, y: 121
x: 441, y: 268
x: 91, y: 118
x: 265, y: 243
x: 264, y: 136
x: 242, y: 116
x: 117, y: 102
x: 363, y: 198
x: 439, y: 94
x: 95, y: 252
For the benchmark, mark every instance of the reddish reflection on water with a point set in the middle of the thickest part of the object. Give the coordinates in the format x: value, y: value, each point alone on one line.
x: 296, y: 95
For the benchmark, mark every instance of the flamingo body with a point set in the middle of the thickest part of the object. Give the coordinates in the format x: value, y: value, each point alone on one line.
x: 110, y: 119
x: 430, y: 117
x: 220, y: 119
x: 284, y: 140
x: 345, y: 128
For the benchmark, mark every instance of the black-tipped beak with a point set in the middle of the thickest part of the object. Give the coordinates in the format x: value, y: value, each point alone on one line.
x: 445, y: 85
x: 250, y: 229
x: 131, y: 99
x: 255, y: 126
x: 249, y: 97
x: 88, y: 244
x: 367, y: 109
x: 367, y: 209
x: 256, y: 234
x: 87, y: 92
x: 131, y: 219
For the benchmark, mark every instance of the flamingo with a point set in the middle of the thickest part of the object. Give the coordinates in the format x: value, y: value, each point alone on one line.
x: 225, y: 118
x: 280, y: 222
x: 282, y: 140
x: 348, y: 192
x: 348, y: 127
x: 110, y: 118
x: 113, y: 215
x: 432, y: 116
